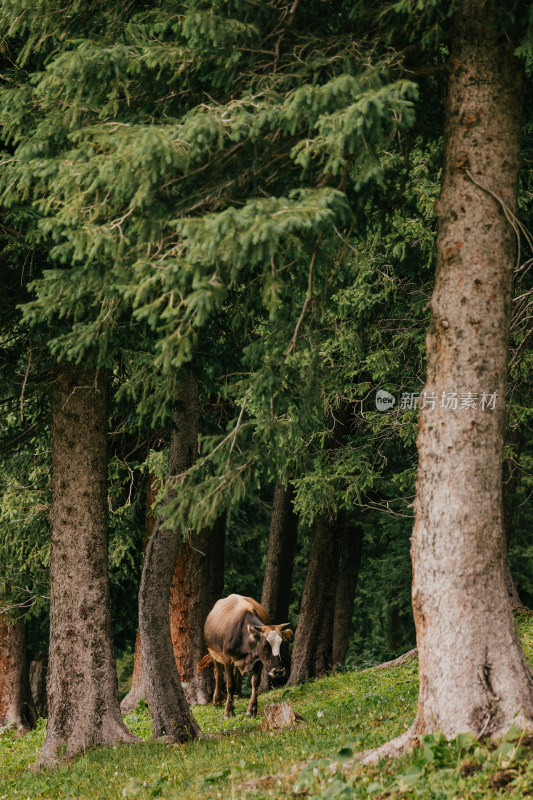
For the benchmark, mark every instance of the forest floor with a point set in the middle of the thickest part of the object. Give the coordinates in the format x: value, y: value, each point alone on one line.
x: 344, y: 713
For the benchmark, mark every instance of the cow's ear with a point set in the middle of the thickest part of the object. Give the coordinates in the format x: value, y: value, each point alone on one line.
x: 254, y: 632
x: 286, y: 634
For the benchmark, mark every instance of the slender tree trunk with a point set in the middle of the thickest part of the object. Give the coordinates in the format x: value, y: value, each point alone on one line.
x: 473, y: 674
x: 38, y: 673
x: 137, y: 691
x: 197, y: 584
x: 313, y: 642
x: 277, y: 584
x: 510, y: 485
x: 169, y: 709
x: 352, y: 547
x: 282, y: 540
x: 16, y: 704
x: 312, y: 653
x: 82, y: 681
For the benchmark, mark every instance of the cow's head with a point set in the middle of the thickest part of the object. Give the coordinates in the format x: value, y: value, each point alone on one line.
x: 268, y: 639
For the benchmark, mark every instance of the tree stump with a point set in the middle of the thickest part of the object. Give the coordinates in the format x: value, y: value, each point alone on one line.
x: 280, y: 715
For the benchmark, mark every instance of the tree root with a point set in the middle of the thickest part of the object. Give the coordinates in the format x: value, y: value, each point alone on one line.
x: 59, y: 749
x: 521, y: 611
x: 132, y: 699
x: 392, y: 749
x: 395, y: 662
x: 17, y: 729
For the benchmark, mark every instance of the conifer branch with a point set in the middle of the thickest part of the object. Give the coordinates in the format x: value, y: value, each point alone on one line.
x: 307, y: 300
x: 236, y: 428
x: 24, y: 386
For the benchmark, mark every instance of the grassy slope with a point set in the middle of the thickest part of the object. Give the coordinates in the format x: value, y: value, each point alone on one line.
x: 343, y: 713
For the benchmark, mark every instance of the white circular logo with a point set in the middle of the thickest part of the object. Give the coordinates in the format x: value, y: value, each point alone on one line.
x: 385, y: 401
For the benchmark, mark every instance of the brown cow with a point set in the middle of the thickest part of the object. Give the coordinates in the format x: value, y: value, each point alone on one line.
x: 239, y: 636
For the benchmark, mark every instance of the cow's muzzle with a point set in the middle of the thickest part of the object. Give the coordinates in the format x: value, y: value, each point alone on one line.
x: 277, y: 673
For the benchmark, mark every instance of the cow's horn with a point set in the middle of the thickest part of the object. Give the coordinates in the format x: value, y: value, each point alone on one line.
x: 284, y: 625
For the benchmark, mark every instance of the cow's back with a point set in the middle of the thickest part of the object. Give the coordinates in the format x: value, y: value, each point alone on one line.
x: 226, y: 618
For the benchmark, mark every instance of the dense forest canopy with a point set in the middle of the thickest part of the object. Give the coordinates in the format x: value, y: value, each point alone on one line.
x: 241, y: 195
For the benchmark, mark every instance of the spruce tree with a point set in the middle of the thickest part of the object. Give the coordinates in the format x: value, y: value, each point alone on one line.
x: 473, y: 673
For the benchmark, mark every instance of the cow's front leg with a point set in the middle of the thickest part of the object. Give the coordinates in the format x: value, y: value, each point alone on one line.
x: 228, y: 711
x: 217, y: 697
x: 237, y: 682
x: 256, y: 680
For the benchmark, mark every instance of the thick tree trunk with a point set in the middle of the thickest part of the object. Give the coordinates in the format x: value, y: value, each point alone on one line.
x: 169, y: 709
x: 312, y: 655
x: 137, y: 690
x: 473, y: 674
x: 38, y: 673
x: 197, y: 584
x: 16, y: 704
x: 277, y: 583
x: 352, y: 547
x: 510, y: 485
x: 82, y: 681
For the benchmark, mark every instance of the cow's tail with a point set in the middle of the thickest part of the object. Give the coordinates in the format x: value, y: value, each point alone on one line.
x: 205, y: 662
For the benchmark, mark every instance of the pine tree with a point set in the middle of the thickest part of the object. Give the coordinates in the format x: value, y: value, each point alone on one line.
x: 16, y: 703
x: 473, y: 673
x: 169, y: 709
x: 83, y: 707
x: 271, y: 211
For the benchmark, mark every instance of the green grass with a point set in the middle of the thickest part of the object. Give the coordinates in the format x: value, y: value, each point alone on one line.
x: 344, y: 713
x: 124, y: 672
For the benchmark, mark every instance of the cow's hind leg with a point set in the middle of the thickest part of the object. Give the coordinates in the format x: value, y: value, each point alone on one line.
x: 256, y: 680
x: 217, y: 697
x: 230, y: 686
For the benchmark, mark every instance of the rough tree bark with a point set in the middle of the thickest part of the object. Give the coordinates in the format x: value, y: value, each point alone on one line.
x: 16, y: 704
x: 83, y: 707
x: 352, y: 547
x: 510, y: 484
x: 277, y: 583
x: 312, y: 654
x: 197, y: 584
x: 171, y: 717
x: 473, y: 674
x: 137, y: 691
